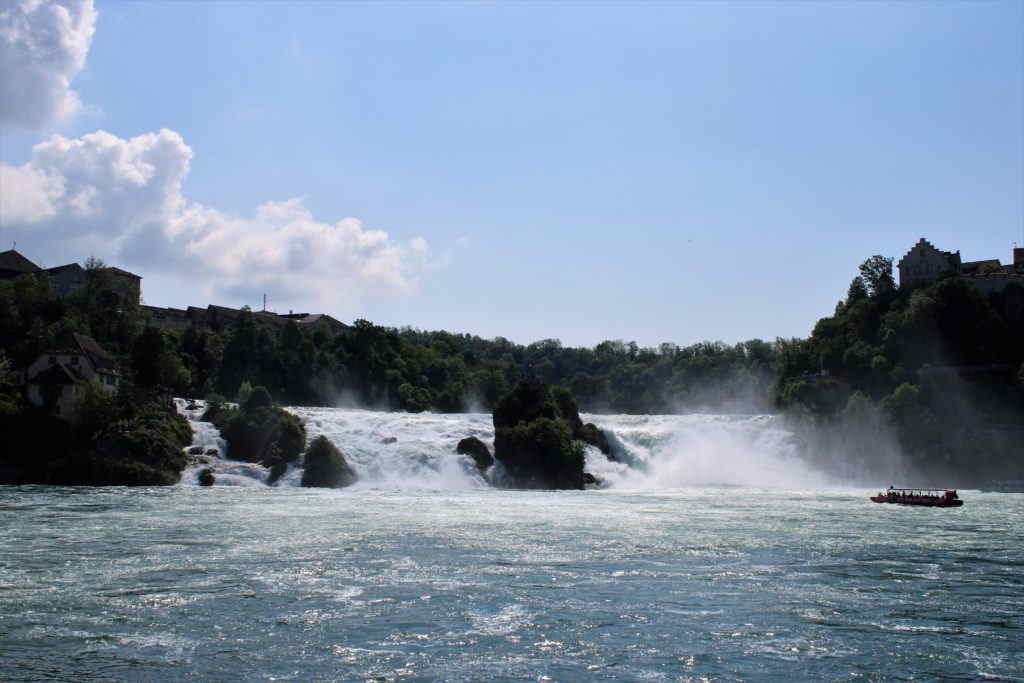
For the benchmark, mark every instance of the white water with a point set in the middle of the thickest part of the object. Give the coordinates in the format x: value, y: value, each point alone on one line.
x: 417, y: 451
x: 228, y: 472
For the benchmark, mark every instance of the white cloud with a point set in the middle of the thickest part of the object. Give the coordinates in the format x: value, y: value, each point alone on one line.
x: 43, y: 45
x: 122, y: 200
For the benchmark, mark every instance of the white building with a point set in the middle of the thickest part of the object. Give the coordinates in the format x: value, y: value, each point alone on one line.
x: 57, y: 379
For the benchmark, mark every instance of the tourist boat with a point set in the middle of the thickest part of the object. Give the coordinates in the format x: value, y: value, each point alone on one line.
x: 942, y: 498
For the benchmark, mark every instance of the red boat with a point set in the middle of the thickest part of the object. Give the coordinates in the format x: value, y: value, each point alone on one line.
x: 941, y: 498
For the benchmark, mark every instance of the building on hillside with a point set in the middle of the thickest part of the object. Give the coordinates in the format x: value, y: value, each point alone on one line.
x: 924, y: 263
x: 71, y: 277
x: 57, y: 380
x: 222, y: 318
x: 13, y: 265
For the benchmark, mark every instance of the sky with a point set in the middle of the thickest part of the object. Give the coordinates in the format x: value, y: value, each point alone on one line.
x: 653, y: 171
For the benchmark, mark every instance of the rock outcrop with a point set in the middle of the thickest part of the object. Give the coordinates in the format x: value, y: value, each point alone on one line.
x: 325, y: 466
x: 260, y: 431
x: 206, y: 477
x: 534, y: 437
x: 277, y: 470
x: 476, y: 449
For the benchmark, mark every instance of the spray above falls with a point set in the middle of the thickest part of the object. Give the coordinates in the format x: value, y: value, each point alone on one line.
x: 391, y: 450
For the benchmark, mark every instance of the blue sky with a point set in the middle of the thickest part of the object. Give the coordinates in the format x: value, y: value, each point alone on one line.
x: 583, y: 171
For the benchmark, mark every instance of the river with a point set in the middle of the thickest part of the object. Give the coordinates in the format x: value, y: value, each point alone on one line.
x: 710, y: 553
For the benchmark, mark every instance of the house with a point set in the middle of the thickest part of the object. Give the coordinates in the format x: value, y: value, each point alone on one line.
x: 57, y: 380
x: 71, y: 277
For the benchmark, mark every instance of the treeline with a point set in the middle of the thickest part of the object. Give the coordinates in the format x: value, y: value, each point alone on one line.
x: 374, y: 366
x: 881, y: 346
x: 416, y: 370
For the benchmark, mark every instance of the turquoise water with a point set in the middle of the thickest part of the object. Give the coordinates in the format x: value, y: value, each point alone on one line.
x: 484, y: 584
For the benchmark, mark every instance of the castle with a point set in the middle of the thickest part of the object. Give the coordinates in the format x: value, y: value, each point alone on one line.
x: 924, y: 263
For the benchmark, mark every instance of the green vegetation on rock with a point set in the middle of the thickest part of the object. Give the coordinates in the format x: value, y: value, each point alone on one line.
x: 259, y: 431
x: 534, y: 437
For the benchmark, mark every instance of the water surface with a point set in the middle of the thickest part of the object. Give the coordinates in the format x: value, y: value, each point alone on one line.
x: 481, y: 583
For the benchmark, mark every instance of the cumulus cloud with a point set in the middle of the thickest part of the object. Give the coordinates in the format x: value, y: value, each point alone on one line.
x: 123, y: 200
x: 43, y: 45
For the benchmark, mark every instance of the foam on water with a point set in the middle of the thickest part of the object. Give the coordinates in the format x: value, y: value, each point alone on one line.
x: 206, y: 436
x: 417, y: 451
x: 678, y: 451
x: 402, y: 450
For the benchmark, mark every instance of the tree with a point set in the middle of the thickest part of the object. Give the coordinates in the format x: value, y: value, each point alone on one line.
x: 857, y: 291
x: 876, y: 273
x: 156, y: 364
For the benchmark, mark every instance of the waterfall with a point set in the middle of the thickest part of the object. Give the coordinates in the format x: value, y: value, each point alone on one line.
x: 403, y: 450
x: 207, y: 437
x: 417, y: 451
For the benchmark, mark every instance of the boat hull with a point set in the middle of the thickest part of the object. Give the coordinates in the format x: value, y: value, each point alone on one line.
x: 915, y: 500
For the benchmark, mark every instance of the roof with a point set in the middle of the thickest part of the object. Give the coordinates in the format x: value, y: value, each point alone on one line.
x: 323, y: 317
x: 57, y: 374
x: 123, y: 273
x: 971, y: 267
x: 232, y: 313
x: 67, y: 266
x: 101, y: 360
x: 13, y: 261
x: 925, y: 244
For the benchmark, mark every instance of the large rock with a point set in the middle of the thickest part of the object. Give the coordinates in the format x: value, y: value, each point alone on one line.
x: 587, y: 433
x: 476, y: 449
x: 261, y: 432
x: 534, y: 437
x: 325, y: 466
x: 277, y: 470
x: 524, y: 405
x: 540, y: 454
